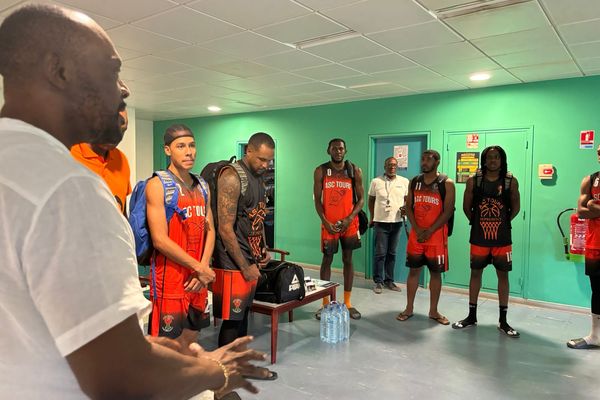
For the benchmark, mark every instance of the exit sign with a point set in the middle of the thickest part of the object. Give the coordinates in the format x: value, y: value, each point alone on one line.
x: 586, y: 140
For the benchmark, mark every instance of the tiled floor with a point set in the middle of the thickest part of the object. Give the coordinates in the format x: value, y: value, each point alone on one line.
x: 420, y: 359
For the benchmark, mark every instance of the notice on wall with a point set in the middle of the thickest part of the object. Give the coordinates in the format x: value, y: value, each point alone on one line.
x: 466, y: 165
x: 473, y: 141
x: 586, y: 140
x: 401, y: 154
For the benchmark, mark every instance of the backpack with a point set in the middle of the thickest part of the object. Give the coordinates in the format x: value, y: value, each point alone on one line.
x: 441, y: 180
x: 280, y: 282
x: 211, y: 172
x: 478, y: 188
x: 137, y: 211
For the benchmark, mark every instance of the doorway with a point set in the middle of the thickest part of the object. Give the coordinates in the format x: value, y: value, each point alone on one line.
x: 518, y: 146
x: 382, y: 147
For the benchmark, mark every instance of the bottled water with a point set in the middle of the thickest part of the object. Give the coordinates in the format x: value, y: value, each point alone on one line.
x: 345, y: 323
x: 332, y: 331
x: 324, y: 319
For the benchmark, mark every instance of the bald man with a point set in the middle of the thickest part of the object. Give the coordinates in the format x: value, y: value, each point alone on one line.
x: 71, y: 326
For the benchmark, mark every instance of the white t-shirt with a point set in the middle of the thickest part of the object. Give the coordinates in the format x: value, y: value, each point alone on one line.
x: 69, y: 270
x: 392, y: 190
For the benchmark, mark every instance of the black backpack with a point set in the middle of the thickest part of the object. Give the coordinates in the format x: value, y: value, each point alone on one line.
x: 210, y: 173
x: 280, y: 282
x: 441, y: 180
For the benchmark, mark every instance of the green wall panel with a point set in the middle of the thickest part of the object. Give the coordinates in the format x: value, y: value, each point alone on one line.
x: 556, y: 111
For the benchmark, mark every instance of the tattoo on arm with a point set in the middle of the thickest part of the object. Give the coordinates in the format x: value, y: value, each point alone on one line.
x: 228, y: 194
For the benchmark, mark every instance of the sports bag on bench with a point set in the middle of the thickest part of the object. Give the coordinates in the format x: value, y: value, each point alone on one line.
x: 280, y: 282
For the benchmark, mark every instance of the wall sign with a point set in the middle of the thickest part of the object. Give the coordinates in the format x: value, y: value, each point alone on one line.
x: 586, y: 140
x: 466, y: 165
x: 401, y: 154
x: 473, y: 141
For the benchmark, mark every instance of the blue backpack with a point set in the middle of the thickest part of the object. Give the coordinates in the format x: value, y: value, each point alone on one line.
x: 137, y: 211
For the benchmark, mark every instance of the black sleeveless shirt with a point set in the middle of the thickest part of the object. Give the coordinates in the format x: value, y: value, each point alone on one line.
x: 490, y: 222
x: 248, y: 226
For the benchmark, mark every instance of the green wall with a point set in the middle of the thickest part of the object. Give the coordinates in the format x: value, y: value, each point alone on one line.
x: 557, y: 111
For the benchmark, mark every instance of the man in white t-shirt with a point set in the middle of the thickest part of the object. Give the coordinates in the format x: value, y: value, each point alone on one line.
x: 70, y: 299
x: 387, y: 194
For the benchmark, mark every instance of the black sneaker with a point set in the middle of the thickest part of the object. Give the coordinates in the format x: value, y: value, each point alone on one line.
x: 393, y: 286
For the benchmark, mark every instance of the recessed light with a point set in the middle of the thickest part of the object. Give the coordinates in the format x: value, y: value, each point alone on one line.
x: 214, y: 108
x: 481, y: 76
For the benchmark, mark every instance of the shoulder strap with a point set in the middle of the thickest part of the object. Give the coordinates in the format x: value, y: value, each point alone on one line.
x: 442, y: 178
x: 202, y: 185
x: 593, y: 177
x: 350, y: 171
x: 243, y: 177
x: 508, y: 180
x: 169, y: 186
x: 171, y: 194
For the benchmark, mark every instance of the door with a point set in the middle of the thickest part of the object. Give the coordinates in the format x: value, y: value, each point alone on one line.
x: 383, y: 147
x: 517, y: 144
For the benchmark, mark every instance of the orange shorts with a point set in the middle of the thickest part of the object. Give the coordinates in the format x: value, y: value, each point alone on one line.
x: 232, y: 294
x: 434, y: 254
x: 350, y: 239
x: 171, y: 315
x: 500, y: 257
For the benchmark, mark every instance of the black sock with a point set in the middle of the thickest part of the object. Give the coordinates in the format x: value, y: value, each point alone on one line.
x: 472, y: 312
x: 503, y: 311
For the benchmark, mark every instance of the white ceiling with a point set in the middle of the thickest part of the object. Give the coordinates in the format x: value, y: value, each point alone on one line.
x: 182, y: 56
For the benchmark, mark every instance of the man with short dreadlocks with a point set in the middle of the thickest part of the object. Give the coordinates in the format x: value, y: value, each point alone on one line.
x: 491, y: 201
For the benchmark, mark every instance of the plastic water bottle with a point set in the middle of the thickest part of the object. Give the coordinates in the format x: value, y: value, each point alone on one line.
x: 324, y: 320
x: 332, y: 334
x: 345, y: 323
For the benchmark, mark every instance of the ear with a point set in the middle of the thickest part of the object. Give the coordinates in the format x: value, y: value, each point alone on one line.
x: 167, y: 150
x: 58, y: 71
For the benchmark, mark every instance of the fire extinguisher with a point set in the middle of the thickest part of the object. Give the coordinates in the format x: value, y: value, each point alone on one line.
x: 575, y: 245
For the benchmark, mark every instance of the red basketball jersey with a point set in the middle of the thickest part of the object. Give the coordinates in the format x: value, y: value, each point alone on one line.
x: 186, y: 233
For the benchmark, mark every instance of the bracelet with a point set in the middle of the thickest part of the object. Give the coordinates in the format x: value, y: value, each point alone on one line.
x: 225, y: 374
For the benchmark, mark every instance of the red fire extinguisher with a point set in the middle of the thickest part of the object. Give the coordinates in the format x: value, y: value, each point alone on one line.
x: 575, y: 245
x: 577, y: 235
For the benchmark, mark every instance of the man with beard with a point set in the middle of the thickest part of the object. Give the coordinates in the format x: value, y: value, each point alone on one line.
x: 183, y: 246
x: 241, y: 248
x: 109, y: 163
x: 588, y: 207
x: 491, y: 201
x: 333, y: 193
x: 69, y: 289
x: 429, y: 206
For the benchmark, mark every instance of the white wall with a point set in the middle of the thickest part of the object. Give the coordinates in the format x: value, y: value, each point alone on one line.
x: 144, y: 144
x: 137, y: 146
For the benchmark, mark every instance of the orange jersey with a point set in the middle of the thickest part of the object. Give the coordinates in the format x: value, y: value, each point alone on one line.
x: 592, y: 239
x: 427, y: 207
x: 189, y: 234
x: 114, y: 170
x: 337, y: 193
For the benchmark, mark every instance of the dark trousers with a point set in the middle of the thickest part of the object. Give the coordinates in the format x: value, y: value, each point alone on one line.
x: 387, y: 235
x: 595, y: 284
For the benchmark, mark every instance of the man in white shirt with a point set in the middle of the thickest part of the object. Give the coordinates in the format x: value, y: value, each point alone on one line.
x: 70, y: 300
x: 387, y: 194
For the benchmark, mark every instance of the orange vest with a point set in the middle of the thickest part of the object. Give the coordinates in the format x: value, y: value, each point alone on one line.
x: 427, y: 207
x: 337, y: 193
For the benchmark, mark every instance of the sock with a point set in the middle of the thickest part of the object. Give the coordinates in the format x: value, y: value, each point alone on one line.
x: 503, y: 311
x: 325, y: 300
x: 594, y: 336
x: 347, y: 295
x: 472, y: 312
